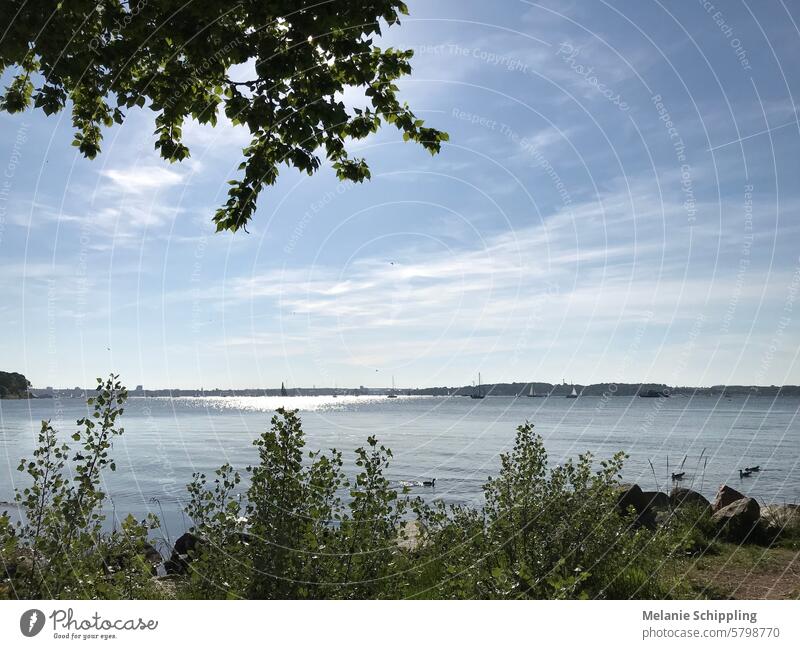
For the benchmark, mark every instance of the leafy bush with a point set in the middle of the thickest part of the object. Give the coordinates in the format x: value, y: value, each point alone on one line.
x: 542, y: 533
x: 292, y: 535
x: 59, y: 548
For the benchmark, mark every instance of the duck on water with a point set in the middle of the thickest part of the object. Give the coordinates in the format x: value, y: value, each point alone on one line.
x: 418, y: 483
x: 748, y: 471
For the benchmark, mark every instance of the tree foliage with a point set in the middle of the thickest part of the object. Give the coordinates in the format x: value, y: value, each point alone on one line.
x: 13, y: 384
x: 106, y: 57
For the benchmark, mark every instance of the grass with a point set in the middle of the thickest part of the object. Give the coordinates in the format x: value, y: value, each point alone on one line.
x: 731, y: 571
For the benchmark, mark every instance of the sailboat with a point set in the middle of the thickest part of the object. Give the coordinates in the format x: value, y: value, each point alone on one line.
x: 284, y: 393
x: 392, y: 394
x: 573, y: 394
x: 479, y: 393
x: 532, y: 393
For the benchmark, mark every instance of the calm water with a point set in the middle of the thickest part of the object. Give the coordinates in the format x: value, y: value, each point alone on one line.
x: 455, y: 440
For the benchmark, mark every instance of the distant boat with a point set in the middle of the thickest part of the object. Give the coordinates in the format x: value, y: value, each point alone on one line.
x: 532, y: 393
x: 479, y: 393
x: 573, y: 394
x: 654, y: 394
x: 392, y: 394
x: 284, y: 393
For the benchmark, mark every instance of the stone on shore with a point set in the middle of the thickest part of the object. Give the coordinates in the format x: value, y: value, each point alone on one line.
x: 153, y: 557
x: 186, y: 545
x: 656, y: 500
x: 408, y: 539
x: 681, y: 497
x: 780, y: 518
x: 631, y: 495
x: 738, y: 519
x: 646, y: 504
x: 725, y: 496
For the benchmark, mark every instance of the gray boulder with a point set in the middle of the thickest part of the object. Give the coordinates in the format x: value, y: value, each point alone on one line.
x: 183, y: 553
x: 725, y: 496
x: 153, y: 557
x: 646, y: 504
x: 656, y: 500
x: 738, y: 519
x: 681, y: 497
x: 779, y: 518
x: 631, y: 495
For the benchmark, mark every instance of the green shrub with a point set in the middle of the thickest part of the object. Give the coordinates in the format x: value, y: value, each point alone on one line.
x: 291, y: 535
x: 59, y: 548
x: 542, y: 533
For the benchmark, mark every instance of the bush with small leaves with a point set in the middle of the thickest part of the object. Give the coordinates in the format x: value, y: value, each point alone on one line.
x: 59, y: 548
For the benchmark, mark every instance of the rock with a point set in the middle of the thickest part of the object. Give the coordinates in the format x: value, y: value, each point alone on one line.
x: 631, y: 495
x: 19, y: 564
x: 153, y: 557
x: 646, y: 504
x: 186, y: 545
x: 656, y: 500
x: 738, y: 519
x: 680, y: 497
x: 409, y: 538
x: 725, y: 496
x: 778, y: 518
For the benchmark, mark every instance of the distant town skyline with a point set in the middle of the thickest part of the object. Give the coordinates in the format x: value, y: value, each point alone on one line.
x: 617, y: 200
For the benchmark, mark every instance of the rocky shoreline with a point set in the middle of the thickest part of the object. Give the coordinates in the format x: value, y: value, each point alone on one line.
x: 735, y: 516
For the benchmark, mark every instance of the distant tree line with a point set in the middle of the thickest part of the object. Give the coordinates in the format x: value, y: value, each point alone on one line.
x: 13, y: 385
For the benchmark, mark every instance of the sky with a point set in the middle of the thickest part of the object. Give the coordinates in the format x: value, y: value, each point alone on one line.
x: 618, y: 201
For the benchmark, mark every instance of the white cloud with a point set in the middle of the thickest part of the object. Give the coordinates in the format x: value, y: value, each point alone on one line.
x: 140, y: 179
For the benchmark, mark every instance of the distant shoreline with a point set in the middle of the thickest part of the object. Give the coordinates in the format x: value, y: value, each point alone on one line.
x: 540, y: 389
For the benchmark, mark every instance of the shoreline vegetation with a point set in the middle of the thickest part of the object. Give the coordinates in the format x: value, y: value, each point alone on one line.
x: 14, y: 386
x: 604, y: 390
x: 295, y: 526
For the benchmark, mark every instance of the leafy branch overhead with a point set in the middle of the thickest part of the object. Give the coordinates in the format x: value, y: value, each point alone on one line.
x: 106, y: 57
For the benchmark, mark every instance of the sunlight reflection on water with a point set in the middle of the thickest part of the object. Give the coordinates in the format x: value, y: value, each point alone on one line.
x: 270, y: 404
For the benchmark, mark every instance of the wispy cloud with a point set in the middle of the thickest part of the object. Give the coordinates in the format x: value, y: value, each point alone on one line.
x: 139, y: 179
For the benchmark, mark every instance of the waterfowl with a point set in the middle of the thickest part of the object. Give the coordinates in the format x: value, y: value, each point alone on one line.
x: 753, y: 469
x: 745, y: 474
x: 429, y: 483
x: 678, y: 476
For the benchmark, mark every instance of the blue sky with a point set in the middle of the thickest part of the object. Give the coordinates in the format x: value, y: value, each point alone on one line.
x: 618, y: 201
